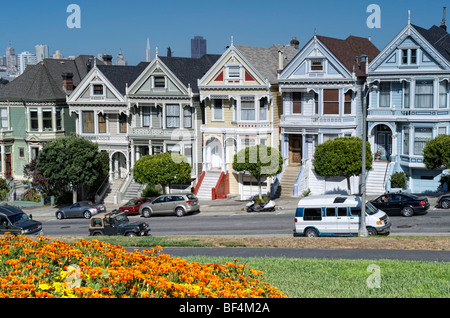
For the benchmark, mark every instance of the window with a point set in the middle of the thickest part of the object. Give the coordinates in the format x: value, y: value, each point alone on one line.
x: 173, y: 116
x: 263, y: 109
x: 247, y: 108
x: 327, y: 137
x: 98, y: 89
x: 406, y: 94
x: 234, y: 71
x: 385, y: 94
x: 443, y: 88
x: 405, y: 56
x: 355, y: 211
x: 188, y: 153
x: 101, y: 123
x: 316, y: 65
x: 312, y: 214
x: 331, y: 102
x: 442, y: 131
x: 187, y: 117
x: 406, y: 141
x: 316, y: 103
x: 157, y: 149
x: 146, y: 116
x: 159, y: 81
x: 47, y: 119
x: 4, y: 118
x: 21, y: 152
x: 413, y: 56
x: 348, y: 103
x: 342, y: 211
x: 330, y: 211
x: 34, y: 123
x: 58, y: 119
x: 296, y: 103
x: 123, y: 123
x: 88, y: 122
x: 175, y: 148
x: 424, y: 94
x: 421, y: 136
x: 217, y: 109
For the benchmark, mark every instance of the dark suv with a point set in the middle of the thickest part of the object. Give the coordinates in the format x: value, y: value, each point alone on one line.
x: 116, y: 223
x: 13, y: 220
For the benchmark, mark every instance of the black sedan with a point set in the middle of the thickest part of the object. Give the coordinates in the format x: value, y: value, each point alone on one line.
x: 443, y: 201
x: 404, y: 204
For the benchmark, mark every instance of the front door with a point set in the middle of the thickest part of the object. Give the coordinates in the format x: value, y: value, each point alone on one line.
x: 295, y: 149
x: 384, y: 144
x: 8, y: 169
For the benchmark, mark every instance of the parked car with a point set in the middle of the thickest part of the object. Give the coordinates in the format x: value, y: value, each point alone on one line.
x: 178, y: 204
x: 13, y: 220
x: 116, y: 223
x: 82, y: 209
x: 443, y: 201
x: 132, y: 206
x: 404, y: 204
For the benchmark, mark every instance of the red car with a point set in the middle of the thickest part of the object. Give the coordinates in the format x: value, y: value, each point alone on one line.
x: 132, y: 206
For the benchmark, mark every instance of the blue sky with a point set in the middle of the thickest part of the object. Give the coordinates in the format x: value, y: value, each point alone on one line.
x: 108, y: 26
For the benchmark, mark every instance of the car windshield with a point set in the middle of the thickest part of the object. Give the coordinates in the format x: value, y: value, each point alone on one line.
x: 121, y: 218
x: 370, y: 209
x: 18, y: 218
x: 132, y: 202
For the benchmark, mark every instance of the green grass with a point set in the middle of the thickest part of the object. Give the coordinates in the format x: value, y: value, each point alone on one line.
x: 314, y: 278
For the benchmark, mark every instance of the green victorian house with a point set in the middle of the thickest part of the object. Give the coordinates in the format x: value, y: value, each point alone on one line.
x: 33, y: 110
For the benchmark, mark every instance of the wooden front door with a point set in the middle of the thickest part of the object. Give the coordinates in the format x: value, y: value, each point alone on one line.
x: 295, y: 149
x: 8, y: 165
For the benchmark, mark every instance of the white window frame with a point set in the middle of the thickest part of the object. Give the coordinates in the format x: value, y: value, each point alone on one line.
x: 213, y: 106
x: 230, y: 66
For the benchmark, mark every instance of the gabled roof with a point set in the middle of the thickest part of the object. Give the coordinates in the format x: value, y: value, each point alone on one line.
x: 438, y: 38
x: 189, y: 70
x: 122, y: 75
x: 265, y: 60
x: 43, y: 81
x: 347, y: 50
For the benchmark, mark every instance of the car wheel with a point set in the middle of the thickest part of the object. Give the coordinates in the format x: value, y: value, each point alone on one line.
x: 371, y: 231
x: 131, y: 234
x: 146, y: 213
x: 59, y: 215
x: 87, y: 214
x: 179, y: 211
x: 407, y: 212
x: 311, y: 233
x: 445, y: 204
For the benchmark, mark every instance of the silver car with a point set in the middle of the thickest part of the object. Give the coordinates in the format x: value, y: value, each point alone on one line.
x: 178, y: 204
x: 81, y: 209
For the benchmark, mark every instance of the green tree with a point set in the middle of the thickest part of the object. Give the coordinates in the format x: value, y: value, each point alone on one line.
x: 259, y: 161
x: 341, y: 157
x: 436, y: 153
x: 72, y: 161
x: 163, y: 169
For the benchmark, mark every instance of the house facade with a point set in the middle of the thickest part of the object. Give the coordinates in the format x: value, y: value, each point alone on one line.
x: 321, y: 91
x: 100, y: 107
x: 241, y: 109
x: 165, y: 110
x: 34, y: 111
x: 409, y: 103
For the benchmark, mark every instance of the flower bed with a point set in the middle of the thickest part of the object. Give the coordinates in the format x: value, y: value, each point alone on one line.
x: 40, y: 268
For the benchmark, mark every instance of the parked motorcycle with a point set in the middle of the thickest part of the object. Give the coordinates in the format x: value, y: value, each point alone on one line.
x: 262, y: 207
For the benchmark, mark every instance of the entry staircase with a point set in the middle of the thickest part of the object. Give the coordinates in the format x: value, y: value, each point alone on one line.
x: 209, y: 181
x: 290, y: 174
x: 376, y: 178
x: 111, y: 193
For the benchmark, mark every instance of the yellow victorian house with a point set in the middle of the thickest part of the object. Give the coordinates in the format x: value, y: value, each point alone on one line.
x: 241, y: 108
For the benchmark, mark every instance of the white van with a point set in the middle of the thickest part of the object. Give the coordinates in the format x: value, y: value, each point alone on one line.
x: 337, y: 215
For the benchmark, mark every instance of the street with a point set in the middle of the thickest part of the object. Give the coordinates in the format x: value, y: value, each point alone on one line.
x: 225, y: 221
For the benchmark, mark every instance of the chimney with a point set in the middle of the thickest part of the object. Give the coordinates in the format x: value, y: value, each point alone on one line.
x: 67, y: 81
x: 443, y: 21
x: 107, y: 59
x: 89, y: 65
x: 280, y: 61
x: 363, y: 63
x: 294, y: 42
x: 169, y: 52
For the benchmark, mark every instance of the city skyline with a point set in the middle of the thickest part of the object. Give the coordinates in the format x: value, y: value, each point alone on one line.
x: 112, y: 27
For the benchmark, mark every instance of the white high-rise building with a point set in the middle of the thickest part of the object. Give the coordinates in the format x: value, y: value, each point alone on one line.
x: 41, y: 52
x: 24, y: 59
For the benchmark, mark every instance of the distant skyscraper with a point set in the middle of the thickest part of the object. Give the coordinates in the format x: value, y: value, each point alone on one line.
x: 24, y: 59
x: 148, y: 57
x: 41, y: 51
x: 11, y: 58
x: 198, y: 47
x: 58, y: 55
x: 120, y: 60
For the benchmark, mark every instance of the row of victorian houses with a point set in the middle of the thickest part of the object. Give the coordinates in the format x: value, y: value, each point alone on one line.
x: 209, y: 108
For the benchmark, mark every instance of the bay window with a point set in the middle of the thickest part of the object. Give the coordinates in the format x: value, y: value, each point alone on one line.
x: 187, y: 117
x: 263, y: 109
x: 247, y: 108
x: 296, y: 103
x: 385, y: 94
x: 88, y: 122
x: 173, y: 116
x: 443, y: 88
x: 331, y: 102
x: 421, y: 136
x: 217, y: 110
x: 424, y: 94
